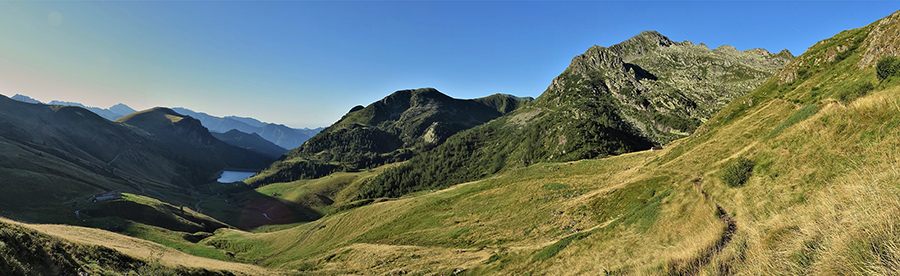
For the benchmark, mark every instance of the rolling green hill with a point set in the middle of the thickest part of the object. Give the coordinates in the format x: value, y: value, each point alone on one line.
x: 632, y: 96
x: 390, y: 130
x: 798, y: 177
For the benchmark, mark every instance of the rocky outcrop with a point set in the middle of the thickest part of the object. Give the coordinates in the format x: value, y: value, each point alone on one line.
x: 663, y: 88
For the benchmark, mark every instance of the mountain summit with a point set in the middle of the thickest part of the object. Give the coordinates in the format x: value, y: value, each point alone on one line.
x: 643, y: 92
x: 392, y: 129
x: 662, y: 88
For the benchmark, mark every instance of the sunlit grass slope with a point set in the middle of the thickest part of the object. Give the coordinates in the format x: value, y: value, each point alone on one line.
x: 61, y: 250
x: 823, y: 197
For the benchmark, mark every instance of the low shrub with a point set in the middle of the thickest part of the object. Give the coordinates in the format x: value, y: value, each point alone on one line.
x: 855, y: 91
x: 888, y: 66
x: 738, y: 172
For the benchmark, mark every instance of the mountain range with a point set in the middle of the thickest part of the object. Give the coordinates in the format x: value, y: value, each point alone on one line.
x: 112, y: 113
x: 67, y: 153
x: 645, y: 157
x: 281, y: 135
x: 641, y: 93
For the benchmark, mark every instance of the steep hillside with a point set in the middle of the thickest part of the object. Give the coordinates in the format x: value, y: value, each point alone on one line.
x: 24, y: 251
x: 193, y: 141
x: 390, y: 130
x: 798, y: 177
x: 53, y: 156
x: 251, y: 141
x: 632, y: 96
x: 280, y: 135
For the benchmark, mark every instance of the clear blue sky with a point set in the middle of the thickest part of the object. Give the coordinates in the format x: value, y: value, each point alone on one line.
x: 305, y: 64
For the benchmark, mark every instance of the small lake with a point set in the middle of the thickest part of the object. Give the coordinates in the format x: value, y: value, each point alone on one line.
x: 234, y: 176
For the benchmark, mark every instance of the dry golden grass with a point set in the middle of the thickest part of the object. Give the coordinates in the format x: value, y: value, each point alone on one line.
x: 143, y: 249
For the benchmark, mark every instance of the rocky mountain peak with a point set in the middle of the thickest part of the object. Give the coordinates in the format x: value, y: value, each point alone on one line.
x: 662, y: 88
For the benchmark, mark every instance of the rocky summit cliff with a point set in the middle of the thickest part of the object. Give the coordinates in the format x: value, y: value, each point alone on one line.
x: 664, y: 89
x: 392, y: 129
x: 643, y: 92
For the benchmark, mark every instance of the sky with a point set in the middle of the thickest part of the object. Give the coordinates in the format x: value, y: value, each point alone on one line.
x: 306, y: 63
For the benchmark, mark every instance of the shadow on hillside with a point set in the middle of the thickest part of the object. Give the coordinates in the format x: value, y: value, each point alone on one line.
x: 640, y: 73
x: 216, y: 206
x: 257, y: 209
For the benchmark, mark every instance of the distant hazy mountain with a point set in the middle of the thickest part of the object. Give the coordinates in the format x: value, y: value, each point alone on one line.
x: 247, y: 120
x: 250, y: 141
x: 114, y: 112
x: 283, y: 136
x: 121, y: 109
x: 25, y: 99
x: 189, y: 138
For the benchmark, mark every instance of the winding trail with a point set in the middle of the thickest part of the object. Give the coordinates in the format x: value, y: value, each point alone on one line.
x: 120, y: 154
x: 693, y: 266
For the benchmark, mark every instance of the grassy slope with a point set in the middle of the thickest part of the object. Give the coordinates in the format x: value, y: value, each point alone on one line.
x: 24, y: 251
x: 822, y: 199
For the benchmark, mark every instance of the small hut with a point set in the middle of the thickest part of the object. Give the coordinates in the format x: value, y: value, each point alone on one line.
x: 107, y: 196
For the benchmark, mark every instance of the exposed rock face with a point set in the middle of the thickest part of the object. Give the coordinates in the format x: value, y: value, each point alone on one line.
x: 883, y: 40
x: 663, y: 88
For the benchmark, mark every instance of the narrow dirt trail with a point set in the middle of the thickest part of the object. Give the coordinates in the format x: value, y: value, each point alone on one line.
x: 694, y: 265
x: 120, y: 154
